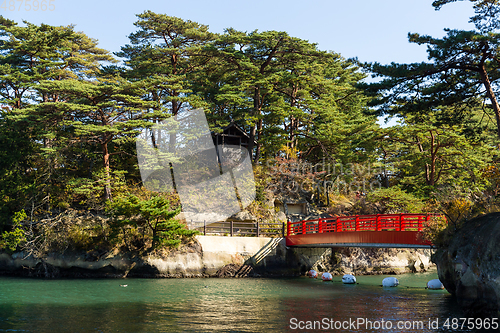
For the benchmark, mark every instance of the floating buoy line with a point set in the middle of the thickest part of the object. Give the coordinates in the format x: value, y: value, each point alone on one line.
x: 388, y: 282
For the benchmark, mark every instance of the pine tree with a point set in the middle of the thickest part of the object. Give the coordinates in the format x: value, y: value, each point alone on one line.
x: 462, y: 71
x: 29, y: 56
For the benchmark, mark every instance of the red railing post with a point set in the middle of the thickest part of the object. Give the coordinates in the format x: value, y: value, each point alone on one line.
x: 401, y: 226
x: 379, y: 222
x: 288, y: 228
x: 356, y: 223
x: 303, y: 227
x: 427, y: 219
x: 320, y: 226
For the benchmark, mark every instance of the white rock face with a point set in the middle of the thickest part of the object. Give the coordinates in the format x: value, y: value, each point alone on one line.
x: 326, y: 276
x: 312, y: 274
x: 435, y: 284
x: 390, y: 282
x: 384, y: 260
x: 349, y: 279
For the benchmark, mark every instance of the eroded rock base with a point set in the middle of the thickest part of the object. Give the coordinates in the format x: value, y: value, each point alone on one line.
x: 216, y: 256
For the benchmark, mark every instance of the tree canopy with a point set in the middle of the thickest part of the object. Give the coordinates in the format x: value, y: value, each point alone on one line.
x: 70, y: 113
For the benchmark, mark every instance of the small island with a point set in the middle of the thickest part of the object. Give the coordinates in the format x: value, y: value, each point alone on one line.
x: 295, y: 132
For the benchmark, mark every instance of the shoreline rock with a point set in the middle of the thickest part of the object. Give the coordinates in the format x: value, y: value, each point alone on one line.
x: 469, y: 267
x: 218, y: 256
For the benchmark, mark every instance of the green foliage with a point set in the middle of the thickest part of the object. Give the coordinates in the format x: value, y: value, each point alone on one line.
x: 87, y: 192
x: 435, y: 230
x: 154, y: 214
x: 12, y: 239
x: 460, y: 204
x: 461, y: 72
x: 172, y: 233
x: 393, y: 201
x: 35, y: 134
x: 425, y: 155
x: 68, y: 124
x: 167, y: 55
x: 487, y: 12
x: 80, y: 238
x: 285, y: 92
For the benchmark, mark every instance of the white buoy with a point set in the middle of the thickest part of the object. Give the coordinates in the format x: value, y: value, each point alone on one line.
x: 326, y: 276
x: 435, y: 284
x: 349, y: 279
x: 390, y: 282
x: 312, y: 274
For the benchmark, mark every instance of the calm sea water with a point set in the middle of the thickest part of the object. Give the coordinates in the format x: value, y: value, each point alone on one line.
x: 221, y: 305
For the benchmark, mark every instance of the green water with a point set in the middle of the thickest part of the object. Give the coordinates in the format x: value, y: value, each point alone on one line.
x: 215, y: 305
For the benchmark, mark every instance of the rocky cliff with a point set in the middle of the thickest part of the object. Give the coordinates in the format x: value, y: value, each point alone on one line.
x: 469, y: 267
x: 365, y: 261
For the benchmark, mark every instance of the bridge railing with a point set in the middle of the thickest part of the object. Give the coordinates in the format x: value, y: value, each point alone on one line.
x: 239, y: 228
x: 378, y: 222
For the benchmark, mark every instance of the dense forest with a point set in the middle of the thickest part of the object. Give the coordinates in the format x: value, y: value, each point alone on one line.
x: 71, y: 112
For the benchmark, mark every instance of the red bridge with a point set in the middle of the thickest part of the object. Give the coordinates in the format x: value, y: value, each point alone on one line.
x: 381, y: 230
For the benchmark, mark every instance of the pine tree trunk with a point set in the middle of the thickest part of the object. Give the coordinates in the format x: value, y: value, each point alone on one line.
x: 293, y: 120
x: 106, y: 156
x: 253, y: 130
x: 172, y: 139
x: 259, y: 133
x: 491, y: 96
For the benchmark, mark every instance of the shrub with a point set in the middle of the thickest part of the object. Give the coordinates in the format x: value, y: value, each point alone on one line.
x: 154, y: 215
x: 12, y: 239
x: 394, y: 200
x: 434, y: 230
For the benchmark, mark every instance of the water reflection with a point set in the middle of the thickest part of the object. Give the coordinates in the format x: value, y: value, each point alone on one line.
x: 213, y: 305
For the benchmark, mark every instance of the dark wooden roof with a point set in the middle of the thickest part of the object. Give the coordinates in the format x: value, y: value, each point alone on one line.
x: 233, y: 130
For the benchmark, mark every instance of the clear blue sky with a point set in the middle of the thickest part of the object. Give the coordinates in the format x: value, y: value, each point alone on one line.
x: 368, y: 29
